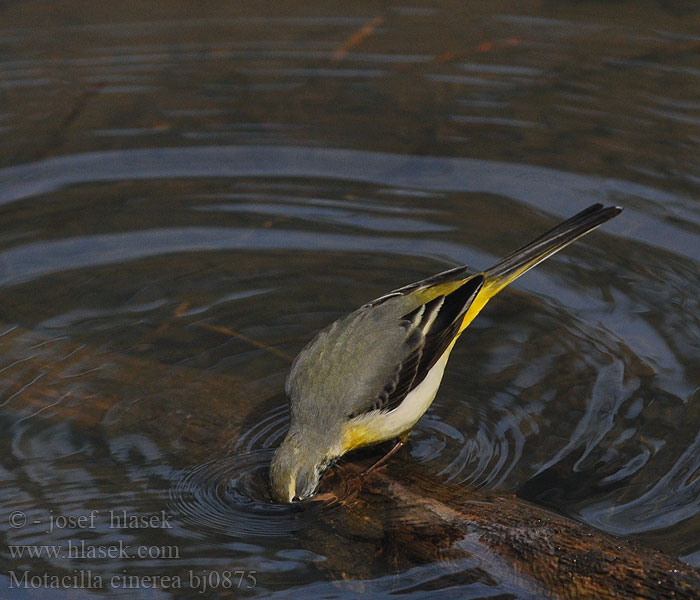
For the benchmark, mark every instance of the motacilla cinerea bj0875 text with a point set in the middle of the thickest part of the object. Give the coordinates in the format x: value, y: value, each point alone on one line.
x: 370, y: 376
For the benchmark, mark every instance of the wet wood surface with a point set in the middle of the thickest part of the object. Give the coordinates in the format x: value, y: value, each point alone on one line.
x: 398, y: 517
x: 99, y: 390
x: 407, y: 516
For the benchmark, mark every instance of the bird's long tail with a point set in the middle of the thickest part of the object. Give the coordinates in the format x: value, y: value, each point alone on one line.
x: 523, y: 259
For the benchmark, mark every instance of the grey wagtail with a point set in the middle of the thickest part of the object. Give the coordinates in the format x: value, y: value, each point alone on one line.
x: 369, y: 377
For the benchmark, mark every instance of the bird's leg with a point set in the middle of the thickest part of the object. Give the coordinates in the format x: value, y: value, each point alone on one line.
x: 397, y: 446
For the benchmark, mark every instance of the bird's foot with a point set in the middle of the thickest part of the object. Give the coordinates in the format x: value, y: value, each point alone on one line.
x: 381, y: 462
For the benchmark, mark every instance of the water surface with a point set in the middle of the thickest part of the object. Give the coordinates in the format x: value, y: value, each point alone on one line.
x: 188, y: 195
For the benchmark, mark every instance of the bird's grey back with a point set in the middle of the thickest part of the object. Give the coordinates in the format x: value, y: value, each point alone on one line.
x: 360, y: 353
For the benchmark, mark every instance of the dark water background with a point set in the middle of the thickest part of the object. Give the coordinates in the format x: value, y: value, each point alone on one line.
x: 194, y: 189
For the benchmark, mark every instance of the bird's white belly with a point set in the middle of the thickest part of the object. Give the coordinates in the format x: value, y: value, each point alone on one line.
x: 388, y: 425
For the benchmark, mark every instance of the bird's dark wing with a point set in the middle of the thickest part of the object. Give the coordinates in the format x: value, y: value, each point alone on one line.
x: 431, y: 329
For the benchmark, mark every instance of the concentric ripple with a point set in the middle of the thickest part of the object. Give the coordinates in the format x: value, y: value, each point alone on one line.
x: 230, y: 496
x: 268, y: 432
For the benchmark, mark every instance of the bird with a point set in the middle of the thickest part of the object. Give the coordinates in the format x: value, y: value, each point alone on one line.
x: 371, y: 375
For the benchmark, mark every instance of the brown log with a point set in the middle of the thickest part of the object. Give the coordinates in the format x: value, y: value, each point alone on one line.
x: 397, y: 517
x: 405, y: 516
x: 102, y: 391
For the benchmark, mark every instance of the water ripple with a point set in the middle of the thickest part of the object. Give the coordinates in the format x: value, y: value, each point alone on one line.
x: 556, y: 191
x: 230, y: 496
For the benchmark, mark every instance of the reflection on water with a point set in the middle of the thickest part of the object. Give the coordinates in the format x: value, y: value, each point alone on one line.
x: 185, y: 200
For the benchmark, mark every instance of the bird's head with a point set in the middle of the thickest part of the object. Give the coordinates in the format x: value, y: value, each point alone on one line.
x: 297, y: 467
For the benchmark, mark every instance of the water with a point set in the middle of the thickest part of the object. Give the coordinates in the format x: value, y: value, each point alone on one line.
x: 188, y: 195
